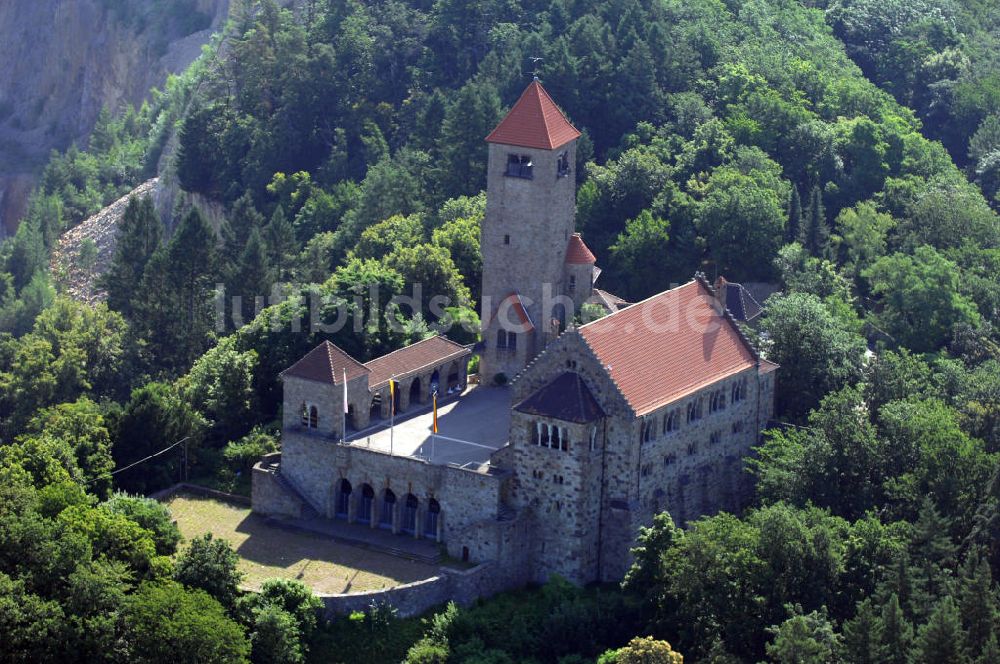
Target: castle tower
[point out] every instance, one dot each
(530, 216)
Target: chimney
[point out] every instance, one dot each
(721, 290)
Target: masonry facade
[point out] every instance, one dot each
(653, 407)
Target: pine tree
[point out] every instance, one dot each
(253, 277)
(816, 233)
(177, 312)
(991, 652)
(235, 231)
(863, 635)
(153, 307)
(139, 235)
(474, 109)
(794, 224)
(978, 604)
(940, 640)
(281, 243)
(897, 634)
(27, 253)
(933, 554)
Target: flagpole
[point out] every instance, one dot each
(392, 412)
(434, 424)
(344, 414)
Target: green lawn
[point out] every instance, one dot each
(267, 552)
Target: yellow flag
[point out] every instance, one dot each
(435, 412)
(392, 396)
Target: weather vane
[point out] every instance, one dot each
(534, 63)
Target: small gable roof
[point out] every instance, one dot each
(668, 346)
(578, 253)
(326, 363)
(534, 122)
(411, 359)
(740, 302)
(566, 398)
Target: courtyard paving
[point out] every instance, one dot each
(471, 426)
(266, 551)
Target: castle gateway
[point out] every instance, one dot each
(577, 436)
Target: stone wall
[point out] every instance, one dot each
(524, 237)
(462, 586)
(269, 497)
(410, 599)
(589, 505)
(317, 466)
(571, 492)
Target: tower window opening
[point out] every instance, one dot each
(506, 341)
(310, 416)
(506, 239)
(562, 165)
(572, 283)
(519, 166)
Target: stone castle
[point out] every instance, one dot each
(576, 436)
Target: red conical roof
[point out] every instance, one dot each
(534, 122)
(578, 253)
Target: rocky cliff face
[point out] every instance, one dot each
(63, 60)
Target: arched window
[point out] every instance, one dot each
(388, 510)
(559, 314)
(453, 378)
(562, 164)
(310, 416)
(544, 434)
(408, 523)
(534, 431)
(556, 437)
(694, 410)
(501, 338)
(431, 518)
(648, 429)
(365, 506)
(512, 341)
(519, 166)
(564, 440)
(738, 392)
(343, 499)
(672, 421)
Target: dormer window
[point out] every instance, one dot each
(519, 166)
(562, 165)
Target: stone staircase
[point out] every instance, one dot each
(309, 511)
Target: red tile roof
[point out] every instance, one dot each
(669, 346)
(326, 364)
(534, 122)
(413, 358)
(578, 253)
